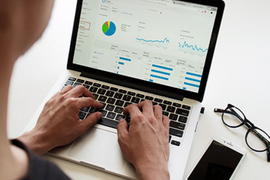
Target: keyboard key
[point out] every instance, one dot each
(176, 143)
(102, 98)
(109, 107)
(80, 81)
(177, 125)
(158, 100)
(126, 97)
(96, 84)
(167, 102)
(163, 106)
(165, 113)
(170, 137)
(119, 103)
(182, 112)
(107, 122)
(111, 101)
(122, 91)
(69, 83)
(86, 86)
(175, 132)
(135, 100)
(103, 113)
(171, 109)
(93, 89)
(105, 87)
(111, 115)
(92, 110)
(154, 103)
(140, 95)
(149, 98)
(113, 89)
(186, 107)
(85, 109)
(118, 95)
(131, 93)
(72, 78)
(182, 119)
(118, 110)
(127, 104)
(173, 117)
(82, 115)
(176, 104)
(119, 116)
(88, 83)
(110, 93)
(76, 84)
(101, 91)
(95, 95)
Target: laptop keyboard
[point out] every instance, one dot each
(114, 100)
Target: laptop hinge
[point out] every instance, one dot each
(138, 86)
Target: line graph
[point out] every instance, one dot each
(193, 49)
(166, 40)
(154, 42)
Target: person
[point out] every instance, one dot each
(21, 24)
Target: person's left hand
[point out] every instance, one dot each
(59, 123)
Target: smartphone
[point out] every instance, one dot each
(219, 161)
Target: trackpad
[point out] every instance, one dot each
(99, 148)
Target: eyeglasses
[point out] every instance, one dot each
(255, 138)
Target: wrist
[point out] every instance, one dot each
(35, 142)
(153, 172)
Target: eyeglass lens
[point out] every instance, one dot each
(233, 117)
(257, 139)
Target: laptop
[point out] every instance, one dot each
(128, 51)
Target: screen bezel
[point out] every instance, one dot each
(141, 84)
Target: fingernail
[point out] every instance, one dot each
(99, 115)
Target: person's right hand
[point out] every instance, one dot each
(145, 143)
(59, 123)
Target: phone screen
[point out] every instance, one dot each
(218, 162)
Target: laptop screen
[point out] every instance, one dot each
(160, 41)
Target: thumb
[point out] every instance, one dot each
(91, 120)
(122, 131)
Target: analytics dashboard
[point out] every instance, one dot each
(161, 41)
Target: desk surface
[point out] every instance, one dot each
(239, 75)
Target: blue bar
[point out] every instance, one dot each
(193, 74)
(121, 63)
(159, 77)
(125, 59)
(151, 80)
(118, 67)
(184, 88)
(191, 79)
(194, 85)
(162, 67)
(156, 71)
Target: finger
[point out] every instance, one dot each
(132, 110)
(147, 107)
(166, 122)
(158, 112)
(66, 89)
(122, 131)
(90, 121)
(80, 91)
(88, 102)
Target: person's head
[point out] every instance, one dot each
(22, 22)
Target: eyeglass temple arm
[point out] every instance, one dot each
(217, 110)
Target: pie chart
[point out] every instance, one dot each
(108, 28)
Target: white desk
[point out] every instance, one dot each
(239, 75)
